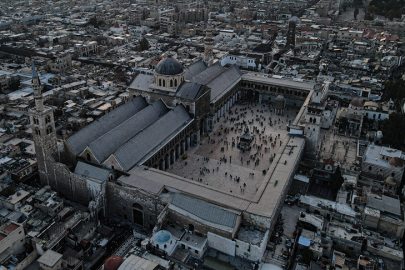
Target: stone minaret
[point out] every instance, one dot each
(43, 131)
(208, 44)
(313, 119)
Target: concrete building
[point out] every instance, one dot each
(61, 63)
(12, 240)
(380, 162)
(51, 260)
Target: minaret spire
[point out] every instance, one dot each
(36, 86)
(208, 44)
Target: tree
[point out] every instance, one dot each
(369, 12)
(395, 91)
(356, 12)
(337, 179)
(14, 85)
(390, 15)
(93, 21)
(143, 44)
(307, 255)
(257, 62)
(358, 3)
(57, 113)
(394, 130)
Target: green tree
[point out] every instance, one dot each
(356, 12)
(57, 113)
(394, 130)
(369, 12)
(93, 21)
(307, 256)
(395, 91)
(390, 15)
(337, 179)
(257, 62)
(14, 85)
(358, 3)
(143, 44)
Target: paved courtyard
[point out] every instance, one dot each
(340, 148)
(218, 162)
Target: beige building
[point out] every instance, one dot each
(51, 260)
(12, 239)
(61, 64)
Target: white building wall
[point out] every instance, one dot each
(251, 252)
(222, 244)
(376, 115)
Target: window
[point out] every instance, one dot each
(164, 83)
(160, 82)
(196, 252)
(171, 83)
(88, 157)
(47, 119)
(37, 131)
(123, 208)
(125, 216)
(35, 120)
(49, 130)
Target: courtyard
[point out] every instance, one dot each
(219, 163)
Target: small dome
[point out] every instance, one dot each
(162, 237)
(169, 66)
(280, 98)
(390, 181)
(396, 161)
(330, 162)
(357, 102)
(113, 263)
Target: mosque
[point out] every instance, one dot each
(117, 165)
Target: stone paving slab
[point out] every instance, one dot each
(205, 163)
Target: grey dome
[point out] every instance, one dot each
(280, 98)
(169, 66)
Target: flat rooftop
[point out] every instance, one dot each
(251, 77)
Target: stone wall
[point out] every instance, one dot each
(203, 229)
(121, 200)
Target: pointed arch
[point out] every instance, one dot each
(49, 130)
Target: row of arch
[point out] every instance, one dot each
(275, 89)
(47, 120)
(312, 120)
(172, 82)
(49, 130)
